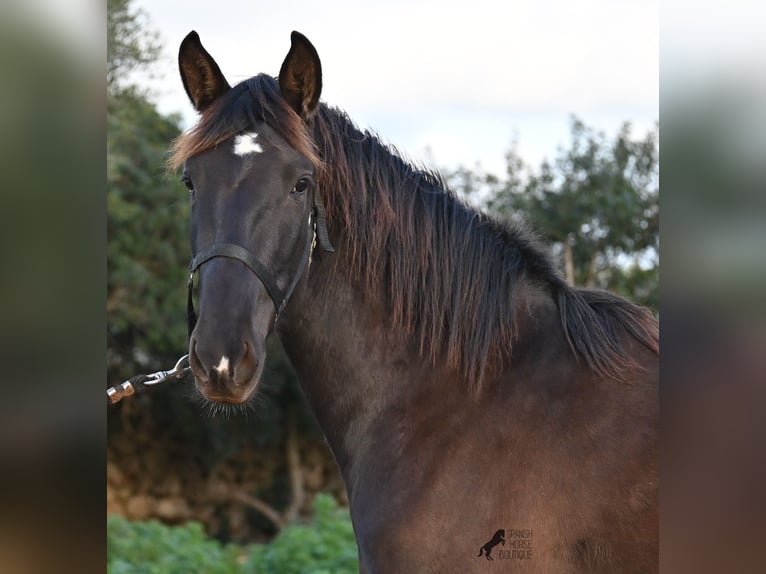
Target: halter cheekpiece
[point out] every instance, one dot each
(317, 223)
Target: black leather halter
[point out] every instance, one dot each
(317, 231)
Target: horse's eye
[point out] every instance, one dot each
(188, 182)
(302, 185)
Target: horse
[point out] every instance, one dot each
(462, 385)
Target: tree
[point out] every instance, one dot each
(130, 46)
(598, 203)
(147, 213)
(147, 249)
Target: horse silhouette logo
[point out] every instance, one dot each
(497, 538)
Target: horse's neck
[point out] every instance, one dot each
(352, 365)
(362, 376)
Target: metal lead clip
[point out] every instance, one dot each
(127, 389)
(178, 371)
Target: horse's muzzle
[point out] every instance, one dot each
(225, 376)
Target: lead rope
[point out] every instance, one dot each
(141, 383)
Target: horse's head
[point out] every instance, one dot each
(253, 207)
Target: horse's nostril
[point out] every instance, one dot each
(246, 367)
(198, 369)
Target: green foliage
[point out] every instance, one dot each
(147, 247)
(147, 212)
(326, 545)
(153, 548)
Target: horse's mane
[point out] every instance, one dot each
(452, 276)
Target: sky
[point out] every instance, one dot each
(447, 82)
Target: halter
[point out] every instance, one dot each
(317, 223)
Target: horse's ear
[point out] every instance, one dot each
(300, 77)
(203, 81)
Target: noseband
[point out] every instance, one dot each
(317, 231)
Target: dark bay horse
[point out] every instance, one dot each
(463, 386)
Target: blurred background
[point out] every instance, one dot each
(713, 395)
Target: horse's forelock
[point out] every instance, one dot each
(254, 100)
